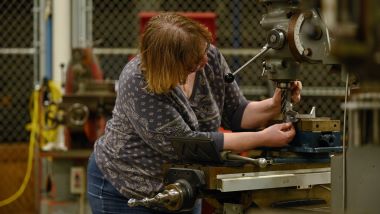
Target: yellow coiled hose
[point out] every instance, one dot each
(38, 131)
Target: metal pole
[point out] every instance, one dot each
(89, 9)
(61, 37)
(79, 25)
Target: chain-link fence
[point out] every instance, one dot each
(116, 26)
(115, 33)
(239, 36)
(16, 68)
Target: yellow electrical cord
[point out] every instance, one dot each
(33, 131)
(49, 126)
(37, 129)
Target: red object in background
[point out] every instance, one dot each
(206, 18)
(84, 66)
(221, 129)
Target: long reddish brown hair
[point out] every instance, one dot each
(171, 47)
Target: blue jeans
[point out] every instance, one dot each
(104, 198)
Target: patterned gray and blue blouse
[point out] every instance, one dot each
(131, 152)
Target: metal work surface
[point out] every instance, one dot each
(302, 178)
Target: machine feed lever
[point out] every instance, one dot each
(275, 40)
(230, 77)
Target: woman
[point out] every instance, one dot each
(174, 87)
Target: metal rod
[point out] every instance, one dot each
(344, 146)
(262, 51)
(261, 162)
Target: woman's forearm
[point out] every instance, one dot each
(258, 114)
(277, 135)
(243, 141)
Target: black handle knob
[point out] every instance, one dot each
(229, 78)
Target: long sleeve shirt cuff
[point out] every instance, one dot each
(218, 139)
(238, 117)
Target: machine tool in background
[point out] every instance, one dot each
(88, 100)
(86, 112)
(285, 177)
(77, 119)
(356, 174)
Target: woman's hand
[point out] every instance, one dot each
(259, 114)
(295, 89)
(278, 135)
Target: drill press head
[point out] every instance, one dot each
(296, 34)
